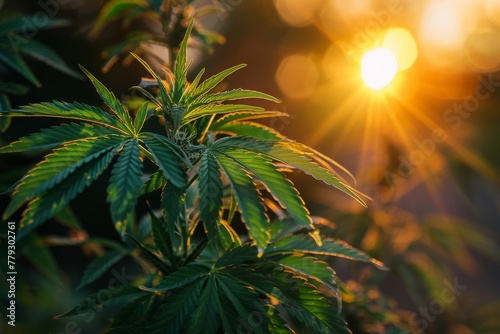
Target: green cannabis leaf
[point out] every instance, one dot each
(212, 160)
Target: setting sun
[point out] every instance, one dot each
(378, 68)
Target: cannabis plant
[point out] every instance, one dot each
(213, 166)
(153, 26)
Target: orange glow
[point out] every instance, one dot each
(493, 11)
(378, 68)
(452, 40)
(441, 24)
(296, 12)
(402, 44)
(297, 76)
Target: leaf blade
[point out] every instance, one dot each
(54, 200)
(279, 186)
(213, 81)
(111, 101)
(182, 277)
(56, 167)
(249, 200)
(165, 156)
(209, 110)
(55, 136)
(76, 111)
(125, 184)
(210, 188)
(250, 129)
(98, 266)
(180, 70)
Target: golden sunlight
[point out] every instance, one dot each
(378, 68)
(441, 24)
(402, 44)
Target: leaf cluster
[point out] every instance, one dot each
(173, 18)
(211, 161)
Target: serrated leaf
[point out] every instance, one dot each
(172, 203)
(258, 276)
(250, 129)
(182, 277)
(309, 266)
(280, 187)
(155, 182)
(329, 247)
(210, 188)
(151, 257)
(246, 303)
(56, 136)
(181, 66)
(57, 166)
(173, 315)
(305, 303)
(56, 198)
(194, 83)
(143, 114)
(319, 157)
(162, 239)
(45, 54)
(209, 110)
(249, 200)
(237, 256)
(15, 62)
(98, 266)
(205, 318)
(166, 157)
(235, 94)
(308, 305)
(42, 259)
(76, 111)
(162, 90)
(209, 84)
(245, 116)
(111, 101)
(125, 184)
(287, 153)
(228, 315)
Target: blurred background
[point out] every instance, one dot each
(403, 93)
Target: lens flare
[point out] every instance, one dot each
(378, 68)
(404, 47)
